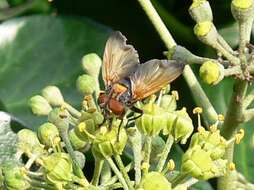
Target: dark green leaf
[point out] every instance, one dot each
(44, 50)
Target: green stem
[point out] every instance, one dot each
(235, 110)
(233, 119)
(97, 171)
(181, 178)
(224, 44)
(136, 143)
(63, 131)
(147, 153)
(113, 179)
(123, 170)
(72, 110)
(165, 152)
(158, 24)
(188, 74)
(118, 173)
(225, 182)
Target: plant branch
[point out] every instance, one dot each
(97, 171)
(117, 172)
(210, 115)
(123, 171)
(165, 152)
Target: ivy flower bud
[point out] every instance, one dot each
(28, 142)
(39, 105)
(76, 142)
(14, 177)
(154, 181)
(168, 102)
(47, 132)
(183, 126)
(198, 163)
(201, 11)
(58, 117)
(153, 120)
(242, 10)
(86, 84)
(53, 95)
(58, 168)
(206, 32)
(109, 142)
(211, 72)
(91, 64)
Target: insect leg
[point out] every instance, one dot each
(136, 110)
(119, 128)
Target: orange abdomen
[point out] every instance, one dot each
(116, 107)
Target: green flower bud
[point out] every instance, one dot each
(153, 120)
(211, 72)
(47, 132)
(183, 126)
(201, 11)
(155, 181)
(28, 142)
(198, 163)
(206, 32)
(86, 84)
(59, 117)
(109, 142)
(91, 64)
(242, 10)
(76, 142)
(53, 95)
(39, 105)
(80, 158)
(14, 177)
(170, 123)
(168, 102)
(58, 168)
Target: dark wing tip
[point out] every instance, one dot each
(117, 35)
(169, 63)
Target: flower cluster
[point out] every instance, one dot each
(54, 156)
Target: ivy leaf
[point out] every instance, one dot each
(37, 51)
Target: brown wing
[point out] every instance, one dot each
(119, 60)
(153, 75)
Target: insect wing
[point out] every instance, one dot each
(153, 75)
(119, 60)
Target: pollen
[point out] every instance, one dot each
(239, 136)
(171, 165)
(231, 166)
(175, 94)
(197, 110)
(221, 117)
(213, 128)
(82, 126)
